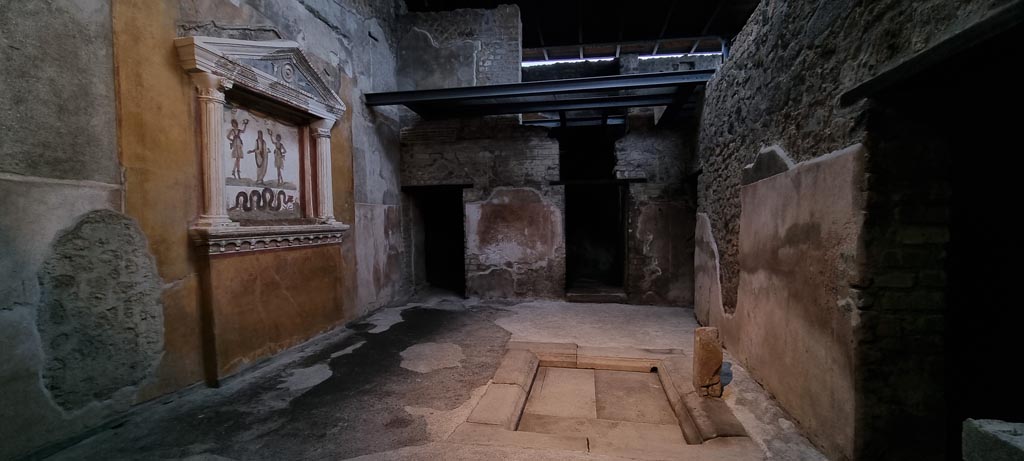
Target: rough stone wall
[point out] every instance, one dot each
(494, 37)
(509, 167)
(782, 82)
(659, 265)
(58, 163)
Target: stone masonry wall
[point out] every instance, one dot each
(782, 82)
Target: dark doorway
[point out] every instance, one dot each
(439, 238)
(594, 224)
(956, 111)
(594, 211)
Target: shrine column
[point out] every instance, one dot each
(324, 185)
(211, 146)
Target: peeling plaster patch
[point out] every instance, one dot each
(441, 423)
(305, 378)
(347, 350)
(427, 357)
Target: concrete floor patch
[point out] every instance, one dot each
(305, 378)
(427, 357)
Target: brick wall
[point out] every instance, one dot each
(497, 31)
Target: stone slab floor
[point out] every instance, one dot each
(397, 384)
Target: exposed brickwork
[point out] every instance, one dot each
(498, 31)
(902, 305)
(487, 152)
(659, 265)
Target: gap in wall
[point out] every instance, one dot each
(981, 320)
(594, 210)
(440, 236)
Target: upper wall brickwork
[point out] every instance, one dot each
(498, 32)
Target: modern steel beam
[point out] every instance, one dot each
(576, 85)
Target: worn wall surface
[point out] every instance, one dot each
(800, 248)
(264, 302)
(58, 164)
(515, 244)
(661, 209)
(103, 118)
(509, 167)
(463, 47)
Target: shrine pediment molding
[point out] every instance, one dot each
(276, 69)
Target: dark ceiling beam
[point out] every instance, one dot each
(576, 85)
(664, 25)
(707, 26)
(619, 45)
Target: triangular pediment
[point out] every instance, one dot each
(276, 69)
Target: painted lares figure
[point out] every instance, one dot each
(260, 152)
(279, 152)
(235, 137)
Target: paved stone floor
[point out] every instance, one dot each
(397, 384)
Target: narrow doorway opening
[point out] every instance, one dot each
(439, 237)
(595, 220)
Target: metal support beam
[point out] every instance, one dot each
(609, 102)
(548, 87)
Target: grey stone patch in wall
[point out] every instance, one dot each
(769, 162)
(100, 318)
(423, 64)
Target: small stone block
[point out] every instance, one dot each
(707, 362)
(501, 405)
(517, 367)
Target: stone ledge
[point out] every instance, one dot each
(618, 359)
(501, 406)
(241, 239)
(517, 367)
